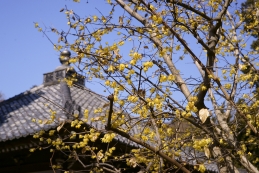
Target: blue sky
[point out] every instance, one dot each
(26, 54)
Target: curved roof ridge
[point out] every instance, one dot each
(15, 97)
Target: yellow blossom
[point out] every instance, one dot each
(202, 168)
(131, 72)
(51, 132)
(108, 137)
(147, 65)
(203, 88)
(171, 77)
(136, 55)
(122, 67)
(32, 150)
(178, 47)
(133, 99)
(199, 144)
(36, 25)
(107, 82)
(121, 43)
(95, 18)
(228, 86)
(133, 62)
(163, 78)
(111, 68)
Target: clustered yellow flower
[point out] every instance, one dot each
(157, 19)
(122, 67)
(190, 106)
(86, 113)
(147, 65)
(171, 77)
(156, 102)
(202, 168)
(95, 18)
(108, 137)
(135, 57)
(163, 78)
(32, 150)
(178, 47)
(70, 81)
(110, 84)
(227, 86)
(76, 123)
(133, 98)
(199, 144)
(51, 132)
(98, 110)
(117, 120)
(186, 114)
(111, 68)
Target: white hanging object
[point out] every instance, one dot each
(257, 13)
(207, 152)
(203, 115)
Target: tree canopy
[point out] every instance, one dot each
(251, 25)
(181, 69)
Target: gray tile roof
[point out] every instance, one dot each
(192, 157)
(16, 113)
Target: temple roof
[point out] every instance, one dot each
(17, 113)
(26, 114)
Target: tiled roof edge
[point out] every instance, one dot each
(30, 91)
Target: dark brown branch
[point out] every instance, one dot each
(139, 82)
(176, 2)
(111, 99)
(51, 161)
(223, 11)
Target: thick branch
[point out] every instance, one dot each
(248, 165)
